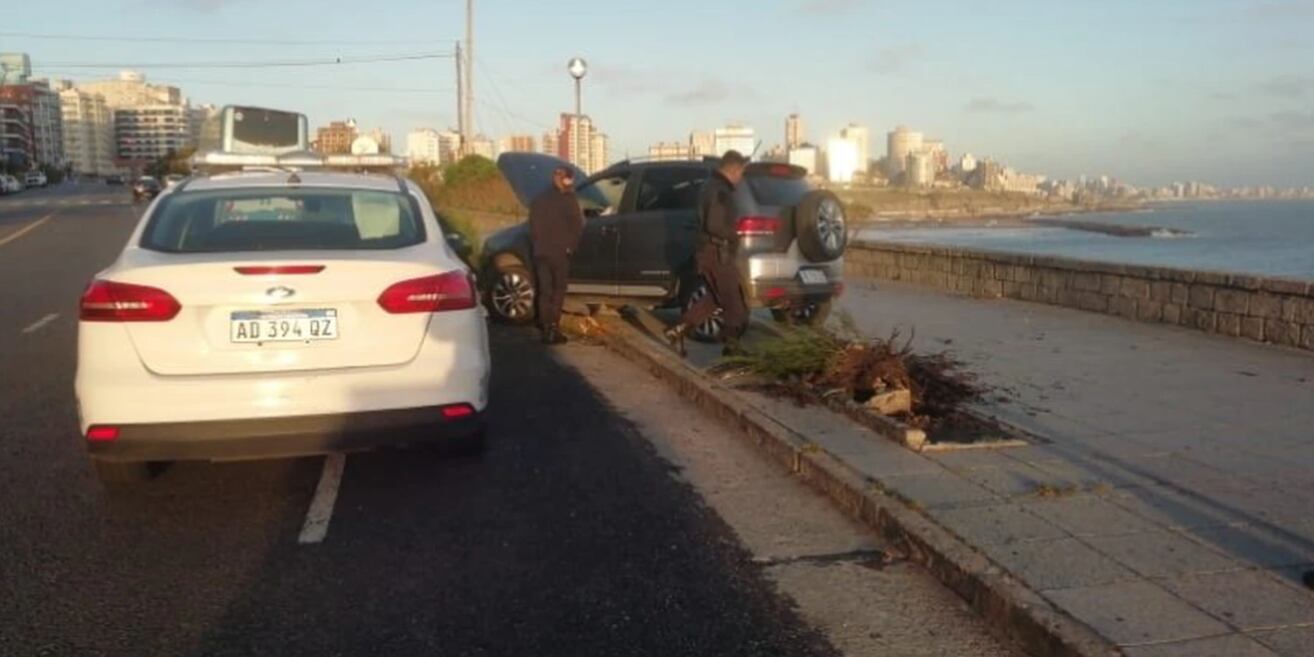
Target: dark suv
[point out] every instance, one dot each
(641, 224)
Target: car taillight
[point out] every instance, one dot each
(457, 411)
(109, 301)
(757, 226)
(451, 291)
(279, 270)
(102, 434)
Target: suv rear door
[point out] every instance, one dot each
(603, 201)
(657, 238)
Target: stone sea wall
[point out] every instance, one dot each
(1273, 310)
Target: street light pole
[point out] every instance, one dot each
(578, 68)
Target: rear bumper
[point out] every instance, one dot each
(283, 437)
(787, 292)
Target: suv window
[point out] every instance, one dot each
(671, 189)
(604, 195)
(776, 190)
(283, 220)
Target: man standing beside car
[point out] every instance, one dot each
(718, 242)
(555, 226)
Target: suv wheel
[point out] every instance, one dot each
(819, 222)
(813, 313)
(511, 294)
(710, 330)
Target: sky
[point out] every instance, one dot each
(1149, 91)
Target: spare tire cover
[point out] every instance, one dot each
(820, 226)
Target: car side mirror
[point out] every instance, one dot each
(460, 244)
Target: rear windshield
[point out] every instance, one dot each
(282, 220)
(778, 191)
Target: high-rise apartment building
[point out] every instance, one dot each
(861, 137)
(422, 146)
(805, 156)
(516, 144)
(336, 137)
(702, 144)
(671, 151)
(552, 142)
(15, 67)
(483, 147)
(31, 126)
(841, 160)
(734, 137)
(579, 142)
(901, 143)
(149, 132)
(88, 131)
(795, 132)
(598, 156)
(130, 89)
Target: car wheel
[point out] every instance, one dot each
(710, 330)
(820, 226)
(113, 473)
(807, 314)
(511, 294)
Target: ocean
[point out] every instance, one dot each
(1271, 238)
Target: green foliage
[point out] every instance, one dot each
(471, 170)
(798, 354)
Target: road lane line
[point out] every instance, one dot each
(321, 507)
(25, 229)
(41, 323)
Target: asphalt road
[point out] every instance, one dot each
(567, 537)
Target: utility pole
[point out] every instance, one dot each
(460, 94)
(468, 129)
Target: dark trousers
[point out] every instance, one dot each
(717, 267)
(551, 275)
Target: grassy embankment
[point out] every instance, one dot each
(959, 205)
(471, 194)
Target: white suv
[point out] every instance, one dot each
(276, 313)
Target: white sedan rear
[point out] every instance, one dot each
(260, 315)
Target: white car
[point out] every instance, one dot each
(35, 179)
(274, 313)
(11, 184)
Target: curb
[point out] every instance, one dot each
(1013, 612)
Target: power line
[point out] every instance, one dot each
(371, 59)
(288, 85)
(218, 40)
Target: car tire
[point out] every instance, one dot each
(113, 473)
(510, 296)
(812, 314)
(710, 330)
(819, 225)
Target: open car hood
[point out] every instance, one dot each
(530, 174)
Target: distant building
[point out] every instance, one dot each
(130, 89)
(919, 170)
(31, 130)
(422, 147)
(552, 142)
(366, 145)
(483, 147)
(795, 132)
(939, 154)
(15, 67)
(579, 142)
(336, 137)
(805, 156)
(382, 139)
(671, 151)
(734, 137)
(88, 131)
(901, 143)
(967, 164)
(516, 144)
(598, 155)
(702, 144)
(861, 137)
(841, 160)
(149, 132)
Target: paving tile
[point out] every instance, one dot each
(1288, 642)
(1247, 599)
(996, 524)
(963, 460)
(1058, 564)
(1136, 613)
(873, 455)
(940, 489)
(1171, 508)
(1256, 545)
(1294, 574)
(1090, 515)
(1016, 480)
(1162, 554)
(1089, 471)
(1232, 645)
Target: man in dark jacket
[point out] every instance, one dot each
(555, 226)
(718, 241)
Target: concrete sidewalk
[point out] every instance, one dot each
(1187, 463)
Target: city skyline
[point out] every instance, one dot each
(1187, 102)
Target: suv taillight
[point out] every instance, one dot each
(108, 301)
(454, 290)
(757, 226)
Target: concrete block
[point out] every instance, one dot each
(1136, 613)
(936, 490)
(1172, 313)
(1231, 645)
(1090, 515)
(1087, 282)
(1266, 306)
(1303, 311)
(1162, 554)
(1012, 289)
(1236, 302)
(1110, 284)
(1179, 294)
(1135, 288)
(1252, 328)
(1059, 564)
(1288, 642)
(1283, 333)
(1022, 273)
(1094, 302)
(1123, 307)
(1160, 291)
(1248, 599)
(1287, 286)
(993, 289)
(1213, 278)
(1203, 320)
(999, 524)
(1152, 311)
(1201, 297)
(1307, 337)
(1228, 324)
(1244, 282)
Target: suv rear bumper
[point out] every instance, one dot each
(787, 292)
(283, 437)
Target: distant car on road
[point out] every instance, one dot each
(35, 179)
(11, 184)
(641, 224)
(113, 180)
(145, 188)
(274, 313)
(173, 179)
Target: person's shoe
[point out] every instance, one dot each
(675, 336)
(552, 335)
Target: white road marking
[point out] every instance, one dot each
(321, 507)
(25, 229)
(41, 323)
